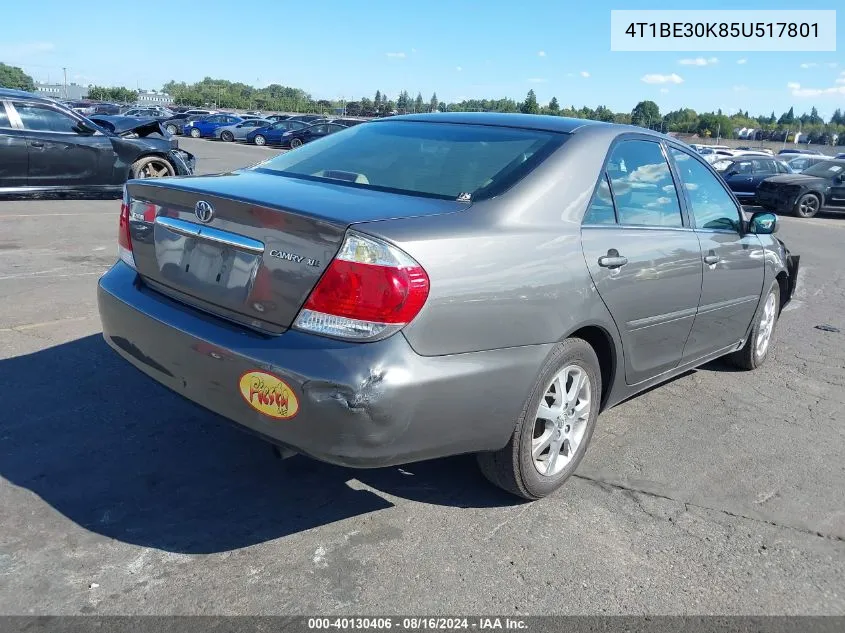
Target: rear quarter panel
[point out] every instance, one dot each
(509, 271)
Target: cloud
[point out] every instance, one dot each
(537, 80)
(458, 68)
(662, 79)
(793, 86)
(798, 91)
(698, 61)
(397, 55)
(742, 60)
(740, 88)
(664, 90)
(585, 74)
(25, 49)
(809, 65)
(541, 53)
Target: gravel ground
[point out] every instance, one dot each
(720, 492)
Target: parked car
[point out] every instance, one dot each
(238, 131)
(199, 111)
(207, 126)
(711, 155)
(105, 108)
(756, 150)
(805, 194)
(297, 138)
(840, 156)
(46, 146)
(272, 135)
(743, 174)
(175, 125)
(370, 304)
(159, 114)
(308, 118)
(814, 152)
(802, 162)
(348, 122)
(278, 117)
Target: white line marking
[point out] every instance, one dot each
(32, 326)
(44, 215)
(45, 274)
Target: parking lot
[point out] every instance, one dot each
(720, 492)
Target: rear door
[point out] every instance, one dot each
(59, 155)
(761, 169)
(733, 263)
(643, 258)
(14, 159)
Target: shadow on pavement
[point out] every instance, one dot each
(61, 195)
(124, 457)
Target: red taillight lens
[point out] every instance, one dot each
(124, 239)
(370, 290)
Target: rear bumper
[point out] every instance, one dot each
(361, 405)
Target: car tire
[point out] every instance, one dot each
(151, 167)
(260, 139)
(515, 468)
(172, 130)
(807, 205)
(295, 142)
(227, 136)
(756, 348)
(195, 132)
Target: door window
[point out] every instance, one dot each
(642, 185)
(763, 166)
(4, 118)
(711, 205)
(601, 209)
(318, 129)
(44, 119)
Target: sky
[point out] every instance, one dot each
(458, 49)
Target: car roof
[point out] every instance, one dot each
(507, 119)
(11, 93)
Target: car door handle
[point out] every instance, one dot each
(612, 261)
(36, 144)
(711, 259)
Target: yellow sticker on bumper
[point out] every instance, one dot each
(268, 394)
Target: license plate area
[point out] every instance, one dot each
(209, 269)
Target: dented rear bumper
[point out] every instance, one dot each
(354, 404)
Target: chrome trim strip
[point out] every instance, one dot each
(730, 303)
(214, 235)
(660, 319)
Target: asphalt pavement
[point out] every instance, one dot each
(720, 492)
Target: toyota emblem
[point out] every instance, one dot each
(204, 211)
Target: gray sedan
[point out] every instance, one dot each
(238, 131)
(428, 285)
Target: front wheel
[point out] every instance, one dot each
(195, 133)
(295, 142)
(171, 129)
(555, 426)
(152, 167)
(260, 140)
(756, 348)
(808, 205)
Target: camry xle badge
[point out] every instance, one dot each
(293, 257)
(204, 211)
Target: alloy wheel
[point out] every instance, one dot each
(767, 326)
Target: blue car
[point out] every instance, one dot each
(207, 126)
(272, 135)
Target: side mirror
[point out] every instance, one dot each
(763, 223)
(84, 129)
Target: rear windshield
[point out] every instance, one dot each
(443, 160)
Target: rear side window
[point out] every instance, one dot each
(763, 166)
(712, 207)
(601, 209)
(4, 118)
(642, 185)
(44, 119)
(443, 160)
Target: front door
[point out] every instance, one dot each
(761, 169)
(740, 179)
(733, 263)
(644, 262)
(59, 154)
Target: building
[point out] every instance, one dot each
(153, 97)
(71, 92)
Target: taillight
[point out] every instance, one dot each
(124, 239)
(370, 290)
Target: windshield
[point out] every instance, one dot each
(827, 169)
(722, 165)
(432, 159)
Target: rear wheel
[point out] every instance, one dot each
(195, 132)
(171, 129)
(227, 136)
(260, 139)
(555, 426)
(295, 142)
(756, 348)
(808, 205)
(152, 167)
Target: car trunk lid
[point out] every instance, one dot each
(250, 246)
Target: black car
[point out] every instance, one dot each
(744, 173)
(296, 138)
(105, 108)
(46, 146)
(804, 194)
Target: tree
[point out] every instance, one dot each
(14, 77)
(530, 105)
(645, 113)
(837, 118)
(434, 103)
(772, 118)
(814, 118)
(118, 95)
(603, 113)
(554, 106)
(418, 103)
(787, 118)
(377, 98)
